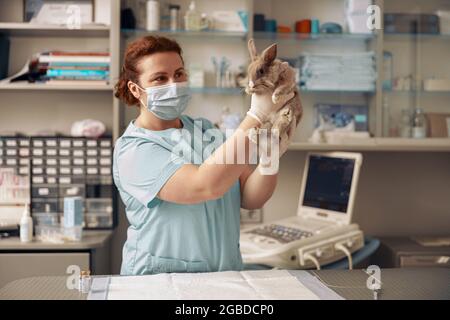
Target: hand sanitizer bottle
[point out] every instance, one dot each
(192, 19)
(26, 226)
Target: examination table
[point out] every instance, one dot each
(401, 283)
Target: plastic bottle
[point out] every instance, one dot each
(405, 124)
(419, 129)
(192, 19)
(26, 226)
(174, 17)
(152, 15)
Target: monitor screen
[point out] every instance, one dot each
(328, 183)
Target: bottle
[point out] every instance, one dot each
(405, 124)
(419, 129)
(192, 19)
(152, 15)
(174, 17)
(26, 226)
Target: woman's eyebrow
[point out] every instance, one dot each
(179, 69)
(160, 73)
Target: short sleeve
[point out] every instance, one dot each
(144, 168)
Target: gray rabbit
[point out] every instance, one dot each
(268, 75)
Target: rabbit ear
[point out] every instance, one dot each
(270, 54)
(252, 49)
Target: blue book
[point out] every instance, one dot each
(77, 73)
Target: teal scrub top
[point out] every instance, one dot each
(164, 236)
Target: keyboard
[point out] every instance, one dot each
(281, 233)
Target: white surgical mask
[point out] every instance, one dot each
(168, 101)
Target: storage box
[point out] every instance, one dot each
(73, 211)
(341, 115)
(438, 125)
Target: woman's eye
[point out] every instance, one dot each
(159, 79)
(179, 74)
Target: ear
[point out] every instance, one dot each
(270, 54)
(134, 89)
(252, 49)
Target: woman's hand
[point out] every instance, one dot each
(261, 106)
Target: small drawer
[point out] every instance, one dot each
(24, 170)
(74, 190)
(24, 152)
(48, 191)
(99, 205)
(98, 220)
(37, 162)
(78, 171)
(51, 171)
(11, 161)
(92, 152)
(24, 162)
(1, 143)
(78, 152)
(24, 143)
(105, 161)
(38, 143)
(78, 143)
(38, 180)
(51, 161)
(44, 205)
(52, 180)
(37, 170)
(105, 152)
(11, 142)
(48, 219)
(1, 152)
(79, 162)
(92, 162)
(65, 161)
(51, 143)
(71, 180)
(92, 171)
(104, 171)
(105, 143)
(38, 152)
(64, 152)
(11, 152)
(91, 143)
(51, 152)
(65, 170)
(65, 143)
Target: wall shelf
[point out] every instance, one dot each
(210, 34)
(43, 30)
(292, 36)
(53, 87)
(379, 144)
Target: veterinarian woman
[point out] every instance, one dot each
(184, 216)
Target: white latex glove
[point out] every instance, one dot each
(261, 106)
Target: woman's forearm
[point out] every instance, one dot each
(221, 170)
(258, 189)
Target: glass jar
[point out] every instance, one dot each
(419, 129)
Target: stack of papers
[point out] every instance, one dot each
(346, 72)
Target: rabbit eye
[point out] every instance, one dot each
(260, 71)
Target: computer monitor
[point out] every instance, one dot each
(329, 185)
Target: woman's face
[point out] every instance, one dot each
(161, 68)
(158, 69)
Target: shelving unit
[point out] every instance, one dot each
(17, 29)
(376, 41)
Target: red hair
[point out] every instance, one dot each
(135, 51)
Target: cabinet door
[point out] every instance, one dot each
(14, 266)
